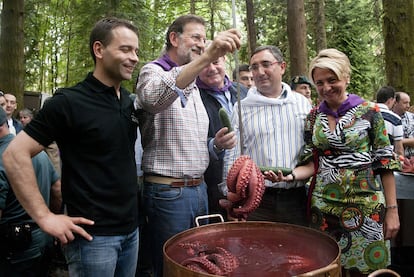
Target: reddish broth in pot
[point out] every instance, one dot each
(262, 248)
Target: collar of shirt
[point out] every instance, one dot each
(227, 85)
(224, 99)
(383, 106)
(351, 102)
(165, 62)
(255, 98)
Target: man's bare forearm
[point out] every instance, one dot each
(408, 142)
(56, 197)
(19, 169)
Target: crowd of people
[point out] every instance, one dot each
(141, 167)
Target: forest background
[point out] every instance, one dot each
(44, 43)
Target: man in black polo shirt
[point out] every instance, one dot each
(94, 127)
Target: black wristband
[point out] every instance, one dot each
(293, 176)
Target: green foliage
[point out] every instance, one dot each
(351, 26)
(57, 34)
(353, 29)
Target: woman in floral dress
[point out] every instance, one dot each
(347, 136)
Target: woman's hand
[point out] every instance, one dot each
(279, 177)
(391, 223)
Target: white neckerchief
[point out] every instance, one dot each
(255, 98)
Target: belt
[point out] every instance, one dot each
(174, 182)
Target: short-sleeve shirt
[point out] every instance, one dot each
(95, 132)
(393, 123)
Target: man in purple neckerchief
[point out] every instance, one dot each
(174, 128)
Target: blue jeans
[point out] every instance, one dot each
(103, 256)
(171, 211)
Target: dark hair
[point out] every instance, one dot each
(102, 31)
(385, 93)
(398, 96)
(272, 49)
(242, 67)
(178, 25)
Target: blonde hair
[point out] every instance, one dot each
(334, 60)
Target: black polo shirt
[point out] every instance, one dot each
(95, 132)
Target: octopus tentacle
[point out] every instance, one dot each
(221, 262)
(233, 197)
(246, 187)
(243, 178)
(205, 264)
(234, 172)
(231, 260)
(196, 267)
(256, 191)
(217, 261)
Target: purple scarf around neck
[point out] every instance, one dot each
(351, 102)
(165, 62)
(227, 84)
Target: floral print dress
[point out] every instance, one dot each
(347, 201)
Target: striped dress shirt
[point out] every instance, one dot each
(273, 131)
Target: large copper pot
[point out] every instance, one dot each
(263, 249)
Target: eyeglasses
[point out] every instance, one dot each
(197, 38)
(264, 64)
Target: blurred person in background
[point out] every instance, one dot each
(25, 116)
(393, 123)
(302, 85)
(11, 105)
(2, 100)
(245, 76)
(25, 248)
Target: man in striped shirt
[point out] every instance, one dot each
(174, 128)
(273, 118)
(385, 101)
(401, 106)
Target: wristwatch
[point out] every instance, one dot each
(216, 149)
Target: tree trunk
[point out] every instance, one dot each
(113, 4)
(12, 48)
(398, 25)
(296, 30)
(211, 19)
(320, 31)
(251, 27)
